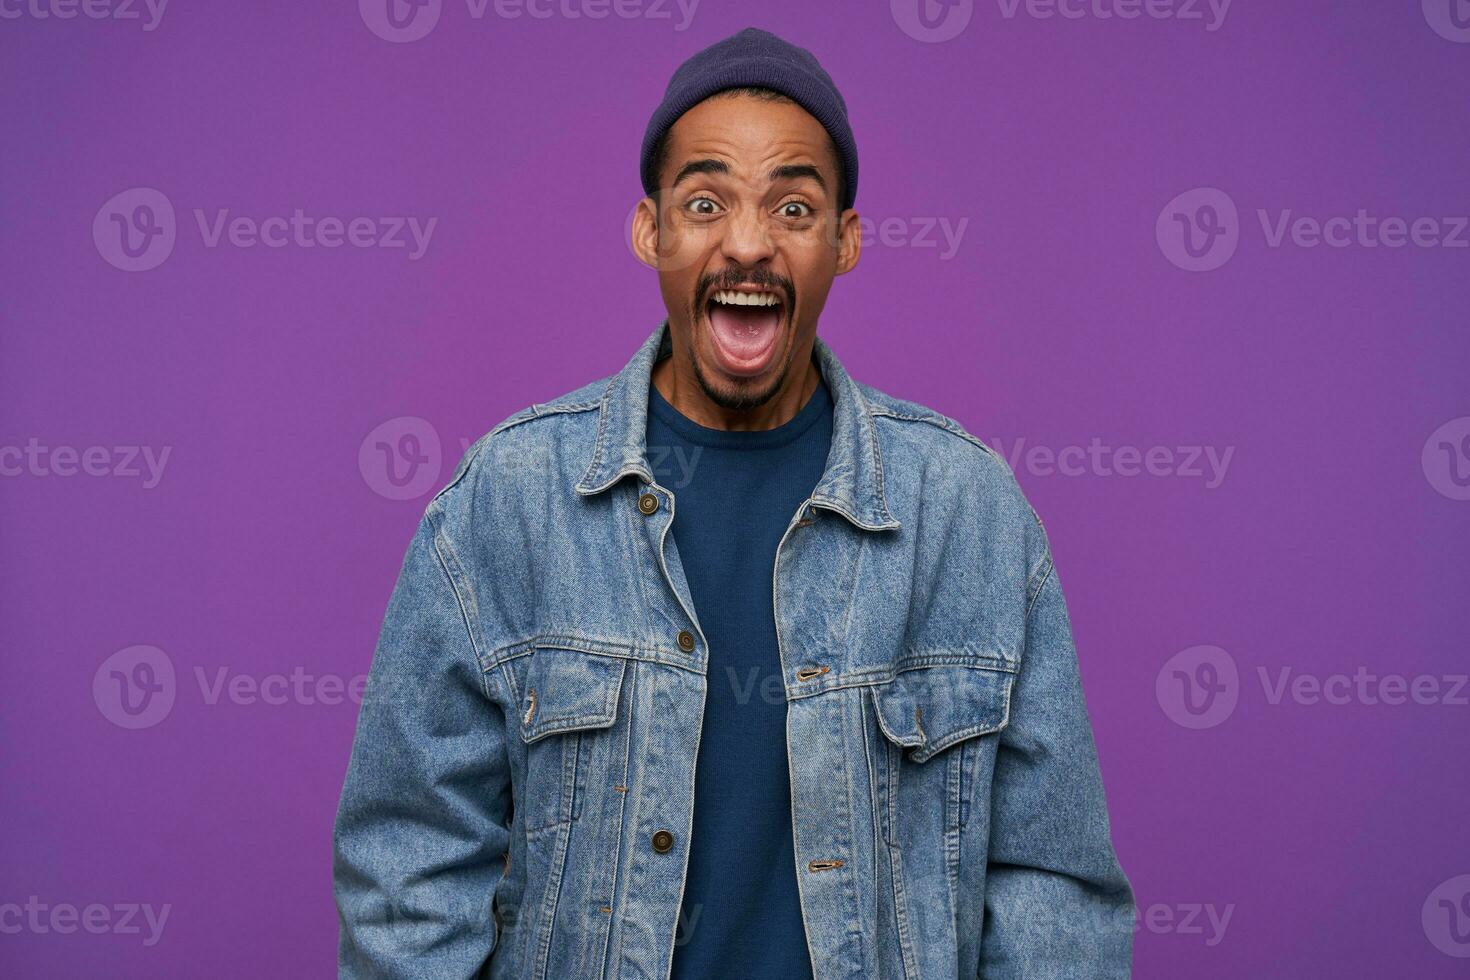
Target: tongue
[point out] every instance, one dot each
(744, 336)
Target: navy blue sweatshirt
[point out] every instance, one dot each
(734, 495)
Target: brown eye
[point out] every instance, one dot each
(795, 209)
(702, 205)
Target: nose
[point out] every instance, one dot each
(746, 241)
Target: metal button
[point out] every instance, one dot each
(663, 841)
(648, 503)
(686, 641)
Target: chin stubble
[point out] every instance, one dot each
(739, 402)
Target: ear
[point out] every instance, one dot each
(645, 232)
(849, 241)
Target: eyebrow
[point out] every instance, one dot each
(796, 171)
(789, 171)
(700, 167)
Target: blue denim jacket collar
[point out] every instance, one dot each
(851, 484)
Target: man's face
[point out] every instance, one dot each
(746, 242)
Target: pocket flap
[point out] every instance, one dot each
(928, 709)
(565, 690)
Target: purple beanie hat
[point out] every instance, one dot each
(755, 57)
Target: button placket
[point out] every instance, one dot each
(649, 503)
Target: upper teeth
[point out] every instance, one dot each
(731, 298)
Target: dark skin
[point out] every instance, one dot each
(748, 196)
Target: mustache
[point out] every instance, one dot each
(733, 278)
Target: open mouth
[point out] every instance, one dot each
(744, 326)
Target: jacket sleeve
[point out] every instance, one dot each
(421, 829)
(1058, 905)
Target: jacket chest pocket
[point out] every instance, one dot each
(931, 752)
(567, 699)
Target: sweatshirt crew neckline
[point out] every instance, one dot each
(816, 406)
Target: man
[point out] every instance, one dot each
(825, 722)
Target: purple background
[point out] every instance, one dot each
(265, 548)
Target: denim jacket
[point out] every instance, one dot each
(519, 798)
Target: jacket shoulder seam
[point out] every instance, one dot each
(464, 597)
(541, 410)
(939, 422)
(1040, 577)
(1037, 577)
(528, 414)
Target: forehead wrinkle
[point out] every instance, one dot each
(779, 153)
(775, 133)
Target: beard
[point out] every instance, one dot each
(738, 397)
(742, 394)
